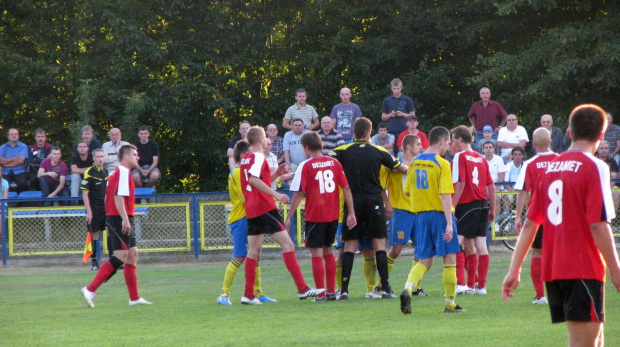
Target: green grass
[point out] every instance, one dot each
(43, 306)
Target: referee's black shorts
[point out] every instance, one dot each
(97, 223)
(370, 215)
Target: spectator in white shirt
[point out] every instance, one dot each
(511, 136)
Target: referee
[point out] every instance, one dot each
(361, 162)
(93, 193)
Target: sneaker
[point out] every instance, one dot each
(140, 301)
(343, 296)
(331, 296)
(388, 295)
(95, 265)
(321, 299)
(454, 310)
(265, 298)
(480, 291)
(420, 292)
(224, 300)
(463, 290)
(89, 297)
(373, 294)
(247, 301)
(309, 292)
(405, 302)
(541, 301)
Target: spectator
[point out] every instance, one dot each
(557, 136)
(511, 136)
(331, 138)
(5, 195)
(412, 124)
(496, 164)
(612, 135)
(344, 115)
(487, 133)
(147, 174)
(53, 176)
(603, 154)
(36, 153)
(395, 110)
(111, 149)
(514, 167)
(87, 136)
(383, 138)
(79, 165)
(243, 129)
(302, 111)
(486, 112)
(13, 156)
(272, 160)
(293, 150)
(276, 142)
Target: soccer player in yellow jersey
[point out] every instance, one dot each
(239, 229)
(429, 185)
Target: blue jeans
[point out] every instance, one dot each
(47, 188)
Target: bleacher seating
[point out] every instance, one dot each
(30, 194)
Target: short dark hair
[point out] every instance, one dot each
(125, 150)
(55, 148)
(297, 120)
(300, 90)
(143, 128)
(409, 140)
(587, 122)
(438, 133)
(312, 140)
(241, 148)
(382, 125)
(254, 134)
(361, 127)
(463, 133)
(488, 142)
(518, 149)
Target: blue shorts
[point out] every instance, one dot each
(239, 231)
(364, 242)
(401, 227)
(429, 229)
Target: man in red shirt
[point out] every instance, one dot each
(573, 200)
(319, 178)
(263, 218)
(473, 185)
(412, 123)
(526, 182)
(119, 209)
(486, 112)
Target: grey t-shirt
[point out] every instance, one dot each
(292, 143)
(345, 116)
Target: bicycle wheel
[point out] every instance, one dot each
(506, 228)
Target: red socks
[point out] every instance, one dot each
(293, 268)
(483, 269)
(460, 268)
(472, 268)
(536, 273)
(318, 272)
(330, 272)
(250, 276)
(131, 280)
(103, 274)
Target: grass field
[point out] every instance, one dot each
(43, 306)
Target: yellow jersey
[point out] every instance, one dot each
(236, 197)
(429, 175)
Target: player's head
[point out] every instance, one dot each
(241, 148)
(439, 137)
(311, 142)
(362, 128)
(463, 133)
(412, 144)
(541, 139)
(587, 122)
(129, 155)
(254, 135)
(98, 157)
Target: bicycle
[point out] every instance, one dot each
(503, 227)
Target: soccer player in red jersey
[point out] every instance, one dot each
(526, 182)
(572, 199)
(119, 209)
(319, 178)
(263, 218)
(474, 202)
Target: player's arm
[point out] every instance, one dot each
(446, 204)
(521, 197)
(294, 204)
(389, 211)
(89, 211)
(524, 242)
(458, 192)
(402, 168)
(119, 203)
(348, 199)
(601, 232)
(287, 157)
(281, 170)
(491, 197)
(260, 185)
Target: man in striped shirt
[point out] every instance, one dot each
(331, 137)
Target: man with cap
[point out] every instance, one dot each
(412, 124)
(487, 133)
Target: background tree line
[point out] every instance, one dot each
(192, 70)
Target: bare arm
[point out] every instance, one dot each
(230, 152)
(524, 242)
(491, 195)
(446, 204)
(348, 199)
(287, 158)
(77, 170)
(389, 145)
(617, 150)
(402, 168)
(386, 116)
(281, 170)
(389, 211)
(315, 124)
(294, 204)
(61, 185)
(286, 124)
(260, 185)
(458, 191)
(521, 197)
(601, 232)
(89, 211)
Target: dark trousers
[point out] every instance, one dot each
(21, 181)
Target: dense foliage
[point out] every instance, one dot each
(192, 70)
